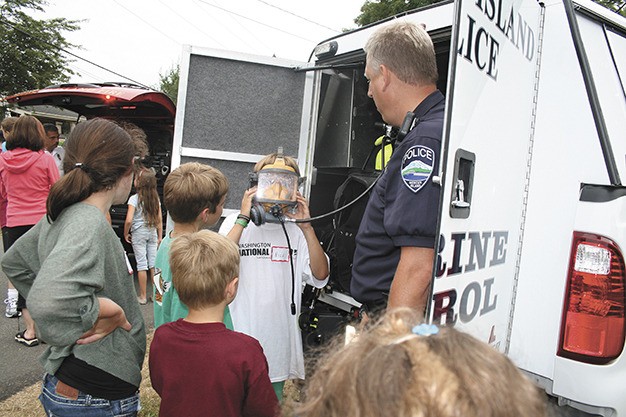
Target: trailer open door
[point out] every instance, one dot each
(234, 108)
(488, 141)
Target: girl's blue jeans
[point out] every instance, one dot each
(57, 405)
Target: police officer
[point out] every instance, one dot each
(395, 243)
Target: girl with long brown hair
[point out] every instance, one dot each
(71, 268)
(143, 227)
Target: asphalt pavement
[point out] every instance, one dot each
(19, 364)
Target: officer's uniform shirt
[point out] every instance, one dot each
(402, 209)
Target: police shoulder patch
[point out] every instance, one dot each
(417, 167)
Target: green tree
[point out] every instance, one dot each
(618, 6)
(31, 53)
(375, 10)
(168, 82)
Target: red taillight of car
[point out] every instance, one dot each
(592, 327)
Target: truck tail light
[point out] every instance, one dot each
(593, 325)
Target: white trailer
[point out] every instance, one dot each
(533, 210)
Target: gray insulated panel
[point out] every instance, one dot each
(243, 107)
(237, 175)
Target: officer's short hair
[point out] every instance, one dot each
(406, 49)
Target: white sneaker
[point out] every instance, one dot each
(11, 310)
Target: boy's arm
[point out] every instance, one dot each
(317, 257)
(128, 222)
(260, 399)
(246, 204)
(154, 362)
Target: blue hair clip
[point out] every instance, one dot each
(425, 329)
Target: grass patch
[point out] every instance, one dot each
(26, 402)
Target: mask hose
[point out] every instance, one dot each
(330, 213)
(293, 274)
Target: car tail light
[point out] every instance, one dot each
(592, 327)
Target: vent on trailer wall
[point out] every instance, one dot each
(592, 327)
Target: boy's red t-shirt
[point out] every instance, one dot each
(207, 370)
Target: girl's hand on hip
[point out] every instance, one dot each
(110, 317)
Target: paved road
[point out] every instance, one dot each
(19, 364)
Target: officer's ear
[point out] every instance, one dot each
(386, 75)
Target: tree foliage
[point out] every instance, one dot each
(30, 55)
(618, 6)
(375, 10)
(168, 82)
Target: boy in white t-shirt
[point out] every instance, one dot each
(262, 307)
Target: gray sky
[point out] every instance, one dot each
(141, 38)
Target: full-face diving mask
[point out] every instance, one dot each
(276, 193)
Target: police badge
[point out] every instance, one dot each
(417, 167)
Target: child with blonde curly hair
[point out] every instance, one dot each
(398, 368)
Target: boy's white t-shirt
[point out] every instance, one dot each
(262, 307)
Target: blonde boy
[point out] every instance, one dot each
(193, 195)
(197, 366)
